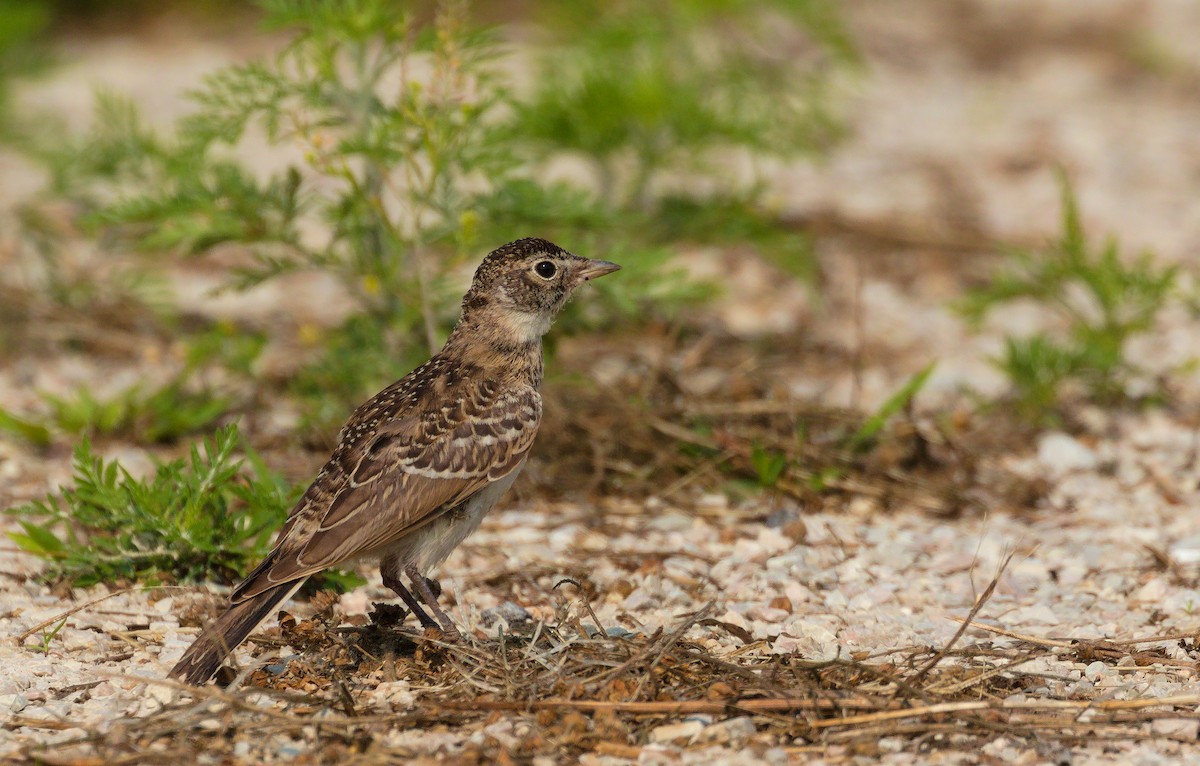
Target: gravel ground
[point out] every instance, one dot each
(949, 134)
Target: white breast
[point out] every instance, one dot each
(429, 546)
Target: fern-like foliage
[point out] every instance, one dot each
(1100, 298)
(205, 517)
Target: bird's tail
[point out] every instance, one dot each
(203, 658)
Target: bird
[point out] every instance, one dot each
(417, 467)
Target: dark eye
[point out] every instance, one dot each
(545, 269)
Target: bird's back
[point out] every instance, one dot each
(448, 429)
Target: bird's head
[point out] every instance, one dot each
(522, 286)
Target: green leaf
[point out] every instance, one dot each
(194, 519)
(866, 434)
(1101, 298)
(34, 433)
(341, 580)
(768, 465)
(37, 539)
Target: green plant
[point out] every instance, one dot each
(1038, 368)
(178, 407)
(182, 405)
(21, 23)
(415, 150)
(768, 465)
(226, 346)
(157, 415)
(385, 170)
(1101, 302)
(641, 89)
(400, 146)
(201, 518)
(32, 432)
(657, 96)
(864, 438)
(48, 634)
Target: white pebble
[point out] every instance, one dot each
(1095, 671)
(684, 731)
(1061, 454)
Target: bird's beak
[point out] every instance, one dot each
(594, 269)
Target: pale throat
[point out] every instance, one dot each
(523, 327)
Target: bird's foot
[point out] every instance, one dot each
(435, 587)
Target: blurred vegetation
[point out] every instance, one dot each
(399, 147)
(1100, 301)
(21, 24)
(159, 415)
(782, 465)
(419, 153)
(646, 90)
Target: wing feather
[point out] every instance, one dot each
(405, 474)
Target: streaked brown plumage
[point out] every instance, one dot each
(418, 466)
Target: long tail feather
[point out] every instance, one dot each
(203, 658)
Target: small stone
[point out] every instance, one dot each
(291, 749)
(639, 599)
(1061, 454)
(511, 613)
(683, 732)
(1186, 550)
(733, 731)
(356, 601)
(782, 602)
(13, 703)
(1038, 613)
(812, 639)
(390, 695)
(76, 640)
(671, 522)
(502, 732)
(1095, 670)
(767, 613)
(891, 744)
(795, 530)
(1152, 591)
(160, 693)
(713, 502)
(1181, 729)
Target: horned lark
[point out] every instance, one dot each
(418, 466)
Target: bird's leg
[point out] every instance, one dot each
(421, 586)
(434, 586)
(391, 579)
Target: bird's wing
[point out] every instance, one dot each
(407, 473)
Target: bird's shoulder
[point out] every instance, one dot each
(451, 417)
(445, 394)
